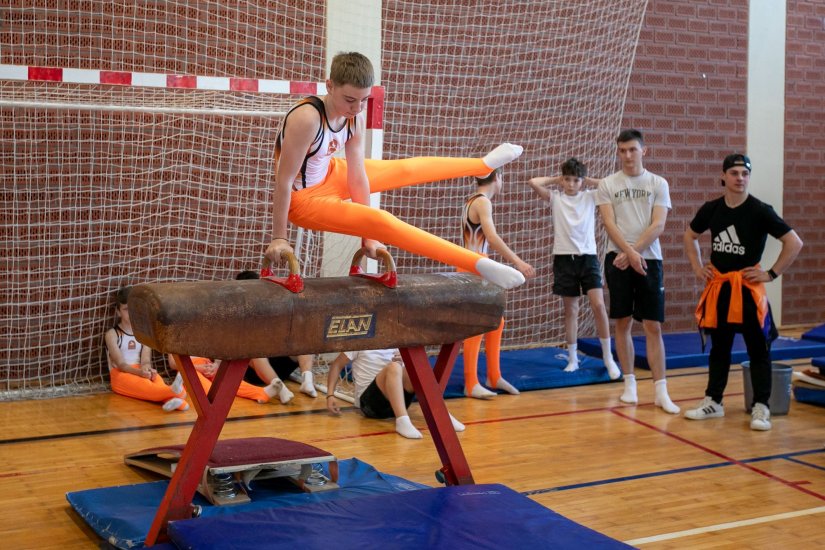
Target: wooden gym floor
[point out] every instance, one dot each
(634, 473)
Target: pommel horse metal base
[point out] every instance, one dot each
(238, 320)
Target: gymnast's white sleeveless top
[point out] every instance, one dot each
(472, 235)
(129, 346)
(327, 142)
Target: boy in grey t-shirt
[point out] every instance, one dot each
(634, 204)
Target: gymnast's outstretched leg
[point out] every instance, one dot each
(325, 213)
(385, 175)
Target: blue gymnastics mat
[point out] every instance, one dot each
(816, 333)
(468, 516)
(684, 349)
(818, 362)
(123, 515)
(532, 369)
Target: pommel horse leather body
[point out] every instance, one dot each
(238, 320)
(255, 318)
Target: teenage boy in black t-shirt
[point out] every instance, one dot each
(734, 298)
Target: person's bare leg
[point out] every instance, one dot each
(390, 382)
(596, 297)
(571, 329)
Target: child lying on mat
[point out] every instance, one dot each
(382, 388)
(130, 364)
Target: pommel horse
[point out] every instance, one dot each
(238, 320)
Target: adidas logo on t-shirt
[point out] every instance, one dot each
(728, 241)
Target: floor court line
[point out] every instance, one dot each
(607, 481)
(724, 457)
(725, 526)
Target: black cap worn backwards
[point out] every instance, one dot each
(736, 159)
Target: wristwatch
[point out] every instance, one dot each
(772, 274)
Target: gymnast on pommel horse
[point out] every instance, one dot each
(236, 320)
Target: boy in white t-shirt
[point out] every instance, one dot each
(576, 268)
(382, 388)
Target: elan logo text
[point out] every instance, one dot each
(351, 326)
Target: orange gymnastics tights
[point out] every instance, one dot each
(492, 352)
(322, 207)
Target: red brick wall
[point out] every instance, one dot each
(688, 94)
(803, 298)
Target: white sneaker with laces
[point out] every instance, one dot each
(760, 417)
(707, 408)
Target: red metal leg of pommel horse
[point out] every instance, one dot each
(236, 320)
(212, 411)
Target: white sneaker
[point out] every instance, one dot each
(707, 408)
(760, 417)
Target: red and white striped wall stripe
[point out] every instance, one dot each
(194, 82)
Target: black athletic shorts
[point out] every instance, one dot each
(374, 404)
(574, 275)
(633, 294)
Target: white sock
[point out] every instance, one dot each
(502, 275)
(457, 426)
(308, 384)
(279, 389)
(404, 427)
(176, 403)
(504, 386)
(480, 392)
(663, 399)
(177, 384)
(613, 370)
(572, 358)
(629, 395)
(501, 155)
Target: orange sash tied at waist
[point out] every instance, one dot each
(706, 310)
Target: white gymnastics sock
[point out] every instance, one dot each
(404, 426)
(176, 403)
(457, 426)
(629, 395)
(480, 392)
(663, 399)
(613, 370)
(572, 358)
(279, 389)
(308, 384)
(501, 155)
(177, 384)
(502, 275)
(504, 386)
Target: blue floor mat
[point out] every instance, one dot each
(469, 516)
(816, 333)
(532, 369)
(684, 349)
(123, 515)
